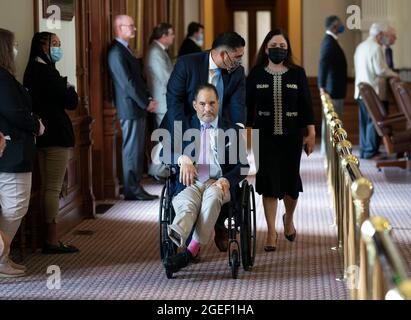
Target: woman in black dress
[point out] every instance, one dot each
(279, 105)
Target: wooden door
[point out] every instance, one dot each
(253, 19)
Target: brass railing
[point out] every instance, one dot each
(387, 276)
(351, 194)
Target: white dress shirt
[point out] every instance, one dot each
(212, 79)
(332, 34)
(370, 65)
(216, 171)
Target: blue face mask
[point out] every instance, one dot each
(341, 29)
(56, 54)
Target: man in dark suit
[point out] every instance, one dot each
(132, 100)
(332, 74)
(221, 67)
(206, 181)
(194, 40)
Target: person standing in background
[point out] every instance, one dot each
(158, 68)
(20, 127)
(388, 40)
(52, 95)
(370, 67)
(332, 73)
(194, 41)
(133, 101)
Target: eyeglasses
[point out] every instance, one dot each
(128, 25)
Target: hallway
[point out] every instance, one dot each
(120, 260)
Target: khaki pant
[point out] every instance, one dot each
(53, 165)
(15, 189)
(199, 204)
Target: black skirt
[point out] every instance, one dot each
(279, 166)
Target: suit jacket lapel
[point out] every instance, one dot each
(205, 67)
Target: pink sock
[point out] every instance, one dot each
(194, 247)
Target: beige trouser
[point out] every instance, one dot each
(53, 165)
(199, 204)
(15, 189)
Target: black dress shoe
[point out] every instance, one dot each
(61, 248)
(289, 237)
(272, 248)
(221, 238)
(177, 262)
(142, 196)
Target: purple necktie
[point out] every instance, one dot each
(204, 165)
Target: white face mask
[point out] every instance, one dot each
(200, 40)
(15, 52)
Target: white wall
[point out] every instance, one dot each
(314, 14)
(67, 35)
(191, 12)
(17, 16)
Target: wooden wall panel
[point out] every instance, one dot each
(350, 117)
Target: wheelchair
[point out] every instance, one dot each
(241, 222)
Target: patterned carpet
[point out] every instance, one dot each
(120, 260)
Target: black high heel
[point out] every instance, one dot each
(290, 237)
(272, 248)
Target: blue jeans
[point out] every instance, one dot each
(369, 139)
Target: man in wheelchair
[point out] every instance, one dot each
(207, 181)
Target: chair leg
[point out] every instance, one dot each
(404, 164)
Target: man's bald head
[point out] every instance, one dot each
(124, 27)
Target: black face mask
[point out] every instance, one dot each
(277, 55)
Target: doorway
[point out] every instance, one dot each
(253, 19)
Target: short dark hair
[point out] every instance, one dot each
(231, 40)
(160, 30)
(193, 28)
(329, 21)
(206, 86)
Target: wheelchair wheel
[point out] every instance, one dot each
(235, 264)
(167, 247)
(163, 225)
(248, 229)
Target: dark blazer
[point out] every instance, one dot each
(190, 72)
(51, 98)
(131, 95)
(296, 109)
(188, 47)
(232, 172)
(332, 74)
(18, 122)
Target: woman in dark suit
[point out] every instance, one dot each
(279, 105)
(52, 95)
(19, 127)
